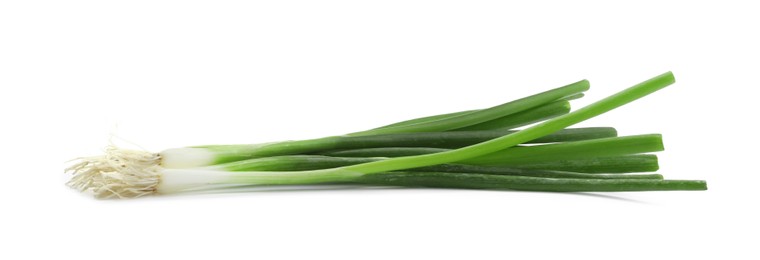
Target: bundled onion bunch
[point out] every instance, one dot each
(476, 149)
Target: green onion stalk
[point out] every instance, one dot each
(468, 162)
(521, 155)
(316, 162)
(506, 116)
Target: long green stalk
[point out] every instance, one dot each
(605, 164)
(501, 170)
(530, 118)
(537, 114)
(231, 153)
(484, 115)
(199, 156)
(503, 182)
(613, 164)
(316, 162)
(524, 118)
(613, 146)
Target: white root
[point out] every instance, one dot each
(119, 173)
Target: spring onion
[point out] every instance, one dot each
(484, 115)
(506, 182)
(229, 153)
(611, 164)
(128, 173)
(197, 156)
(316, 162)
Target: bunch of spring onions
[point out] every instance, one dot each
(477, 149)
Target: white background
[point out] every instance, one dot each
(166, 74)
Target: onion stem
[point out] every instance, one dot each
(480, 116)
(503, 182)
(231, 153)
